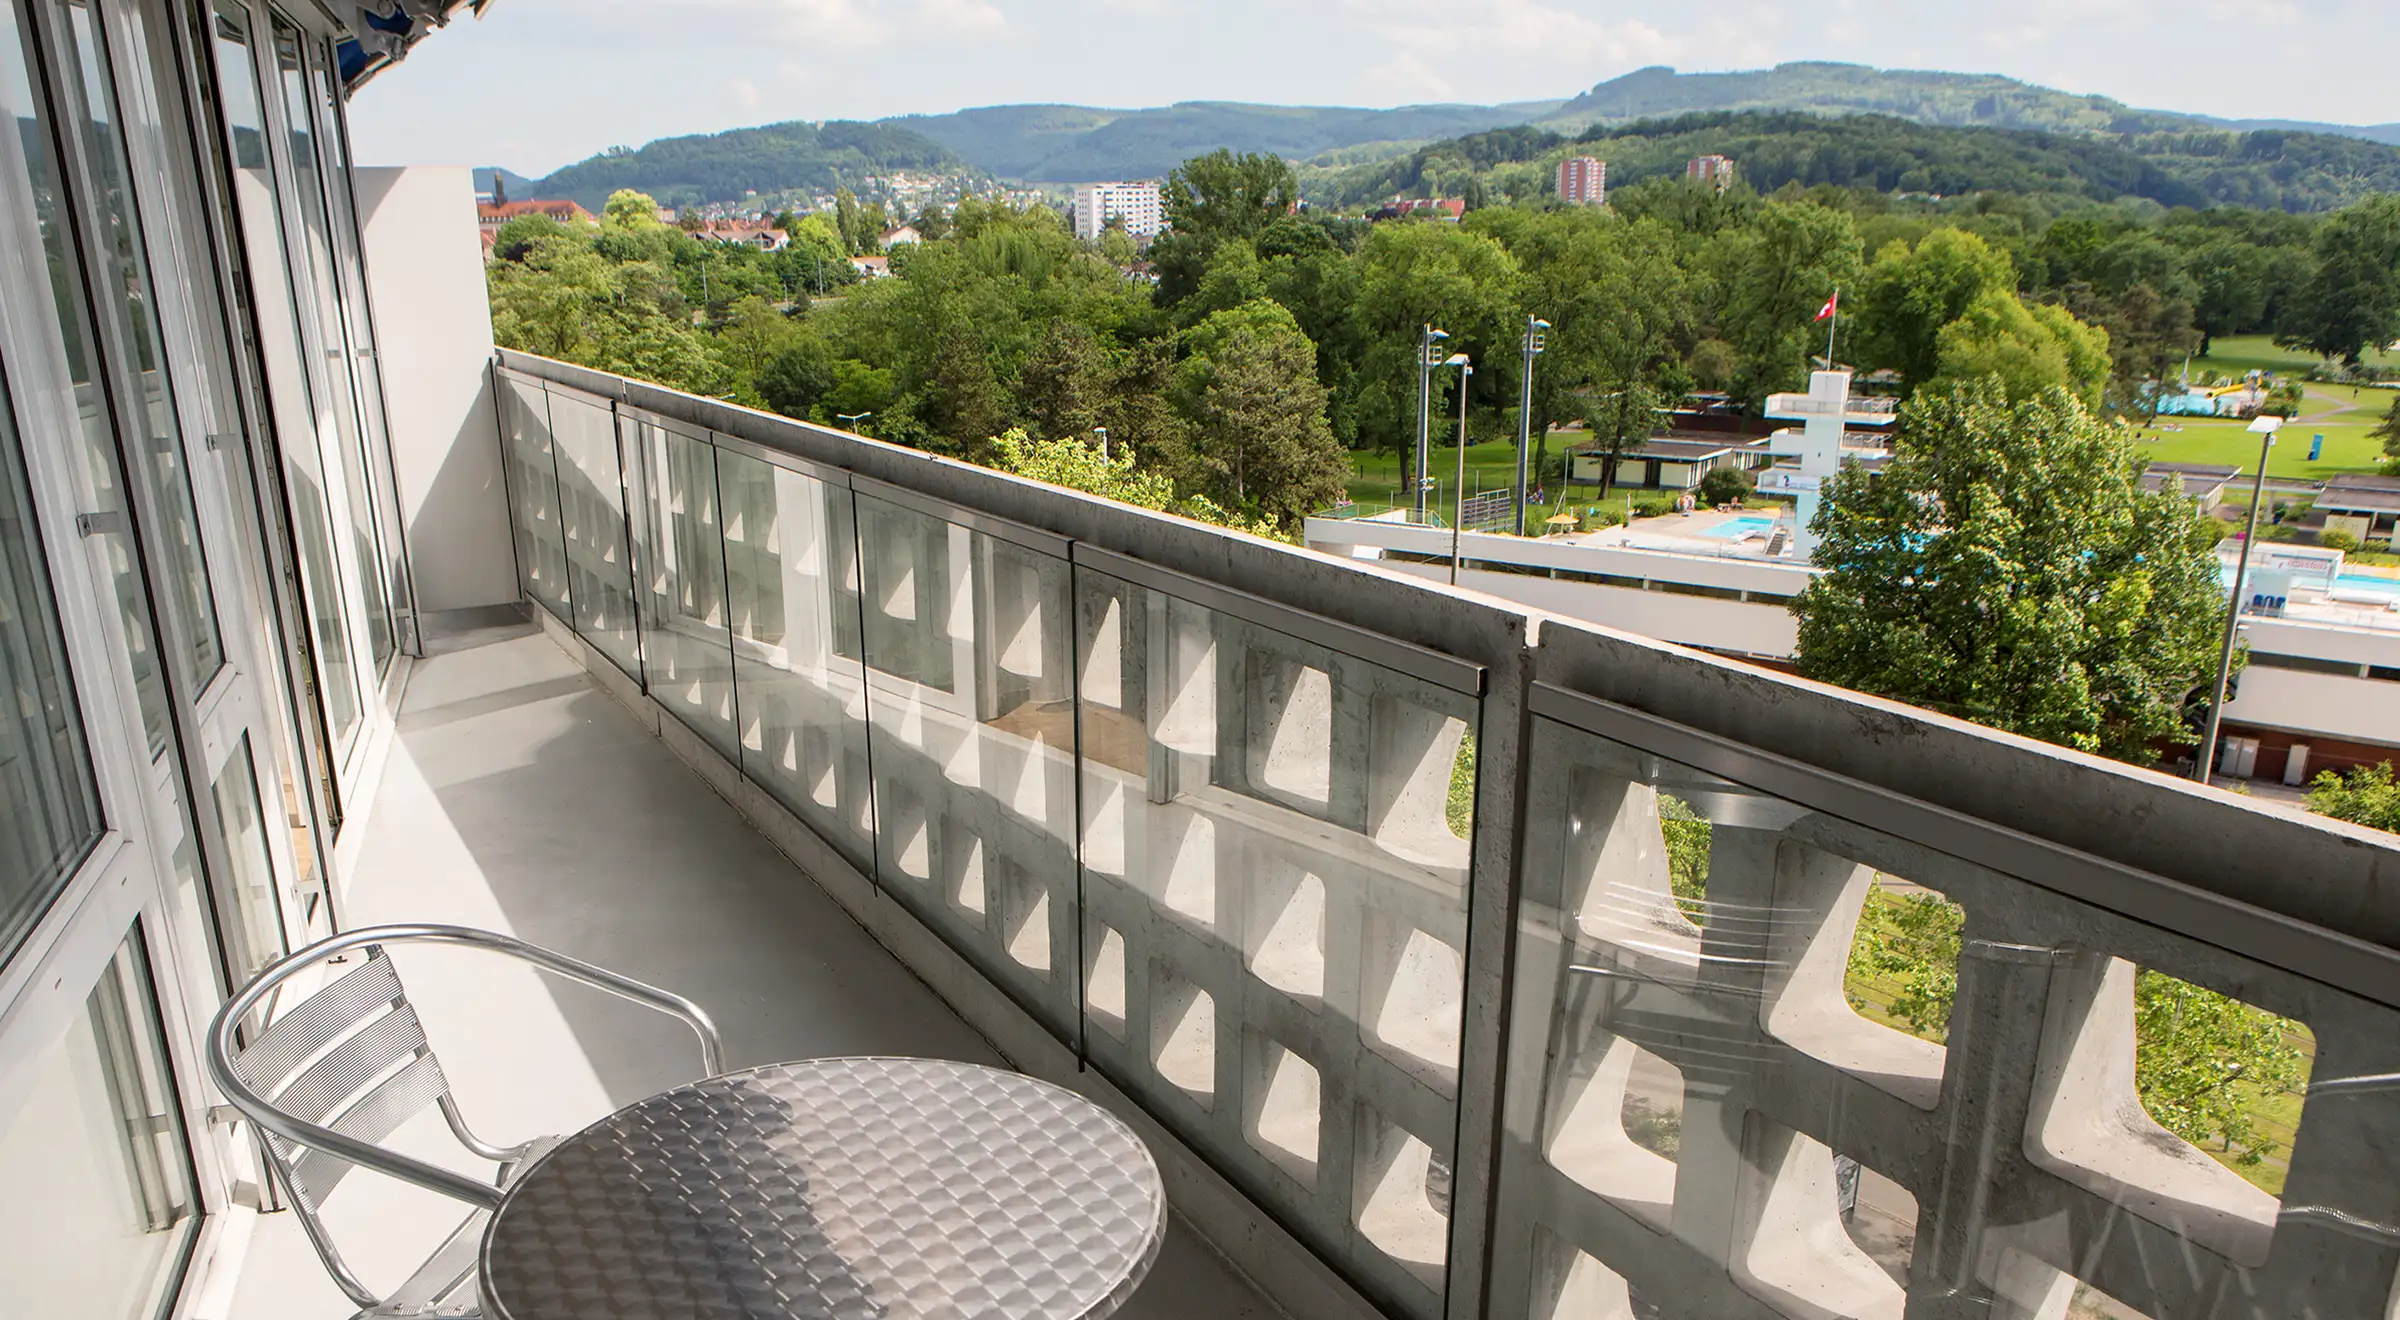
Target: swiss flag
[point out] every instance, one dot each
(1832, 305)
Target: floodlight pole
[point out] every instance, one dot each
(1534, 326)
(1425, 366)
(1458, 510)
(2266, 427)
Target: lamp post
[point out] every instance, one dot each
(2264, 428)
(1102, 432)
(853, 419)
(1426, 362)
(1535, 342)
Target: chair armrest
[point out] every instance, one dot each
(220, 1043)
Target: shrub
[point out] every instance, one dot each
(1654, 506)
(1724, 486)
(2337, 540)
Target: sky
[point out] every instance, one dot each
(537, 84)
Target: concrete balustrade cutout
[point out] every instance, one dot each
(1819, 898)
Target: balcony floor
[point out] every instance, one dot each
(520, 798)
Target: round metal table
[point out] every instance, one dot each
(841, 1189)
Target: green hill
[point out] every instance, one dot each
(2173, 167)
(1952, 99)
(1066, 144)
(719, 167)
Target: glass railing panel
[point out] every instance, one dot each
(791, 579)
(1768, 1060)
(591, 501)
(679, 568)
(533, 495)
(1276, 841)
(968, 659)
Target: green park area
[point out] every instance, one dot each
(2343, 414)
(1377, 481)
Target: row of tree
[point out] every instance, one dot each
(1268, 340)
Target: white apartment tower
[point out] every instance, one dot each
(1138, 204)
(1583, 181)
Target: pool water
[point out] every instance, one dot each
(1734, 529)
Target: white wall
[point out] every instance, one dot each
(434, 327)
(1723, 625)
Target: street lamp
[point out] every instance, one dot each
(854, 419)
(1426, 362)
(2264, 428)
(1535, 342)
(1102, 432)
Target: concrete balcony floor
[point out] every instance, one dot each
(520, 798)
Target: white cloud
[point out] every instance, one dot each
(961, 18)
(745, 94)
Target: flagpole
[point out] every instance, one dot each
(1834, 324)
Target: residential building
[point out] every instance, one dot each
(758, 234)
(491, 215)
(1716, 171)
(873, 268)
(1138, 205)
(902, 236)
(1583, 181)
(1361, 900)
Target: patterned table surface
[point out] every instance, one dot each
(847, 1189)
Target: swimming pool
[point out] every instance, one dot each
(1734, 529)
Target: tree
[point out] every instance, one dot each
(1063, 384)
(1224, 195)
(2007, 567)
(1118, 475)
(2023, 350)
(1724, 486)
(1620, 416)
(1771, 276)
(1411, 276)
(2388, 431)
(1909, 296)
(2368, 795)
(2352, 302)
(1259, 436)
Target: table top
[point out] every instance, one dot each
(841, 1189)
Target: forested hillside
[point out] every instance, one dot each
(717, 167)
(2298, 172)
(1064, 144)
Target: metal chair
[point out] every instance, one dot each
(342, 1069)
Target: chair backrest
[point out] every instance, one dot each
(351, 1057)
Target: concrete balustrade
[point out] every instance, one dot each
(1185, 801)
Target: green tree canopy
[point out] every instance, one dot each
(2007, 567)
(1259, 438)
(2352, 301)
(1224, 195)
(1910, 295)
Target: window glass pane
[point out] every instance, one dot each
(42, 182)
(290, 391)
(972, 741)
(49, 808)
(155, 446)
(247, 913)
(317, 275)
(791, 575)
(591, 500)
(101, 1216)
(365, 360)
(686, 645)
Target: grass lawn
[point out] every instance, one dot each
(2330, 411)
(1377, 481)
